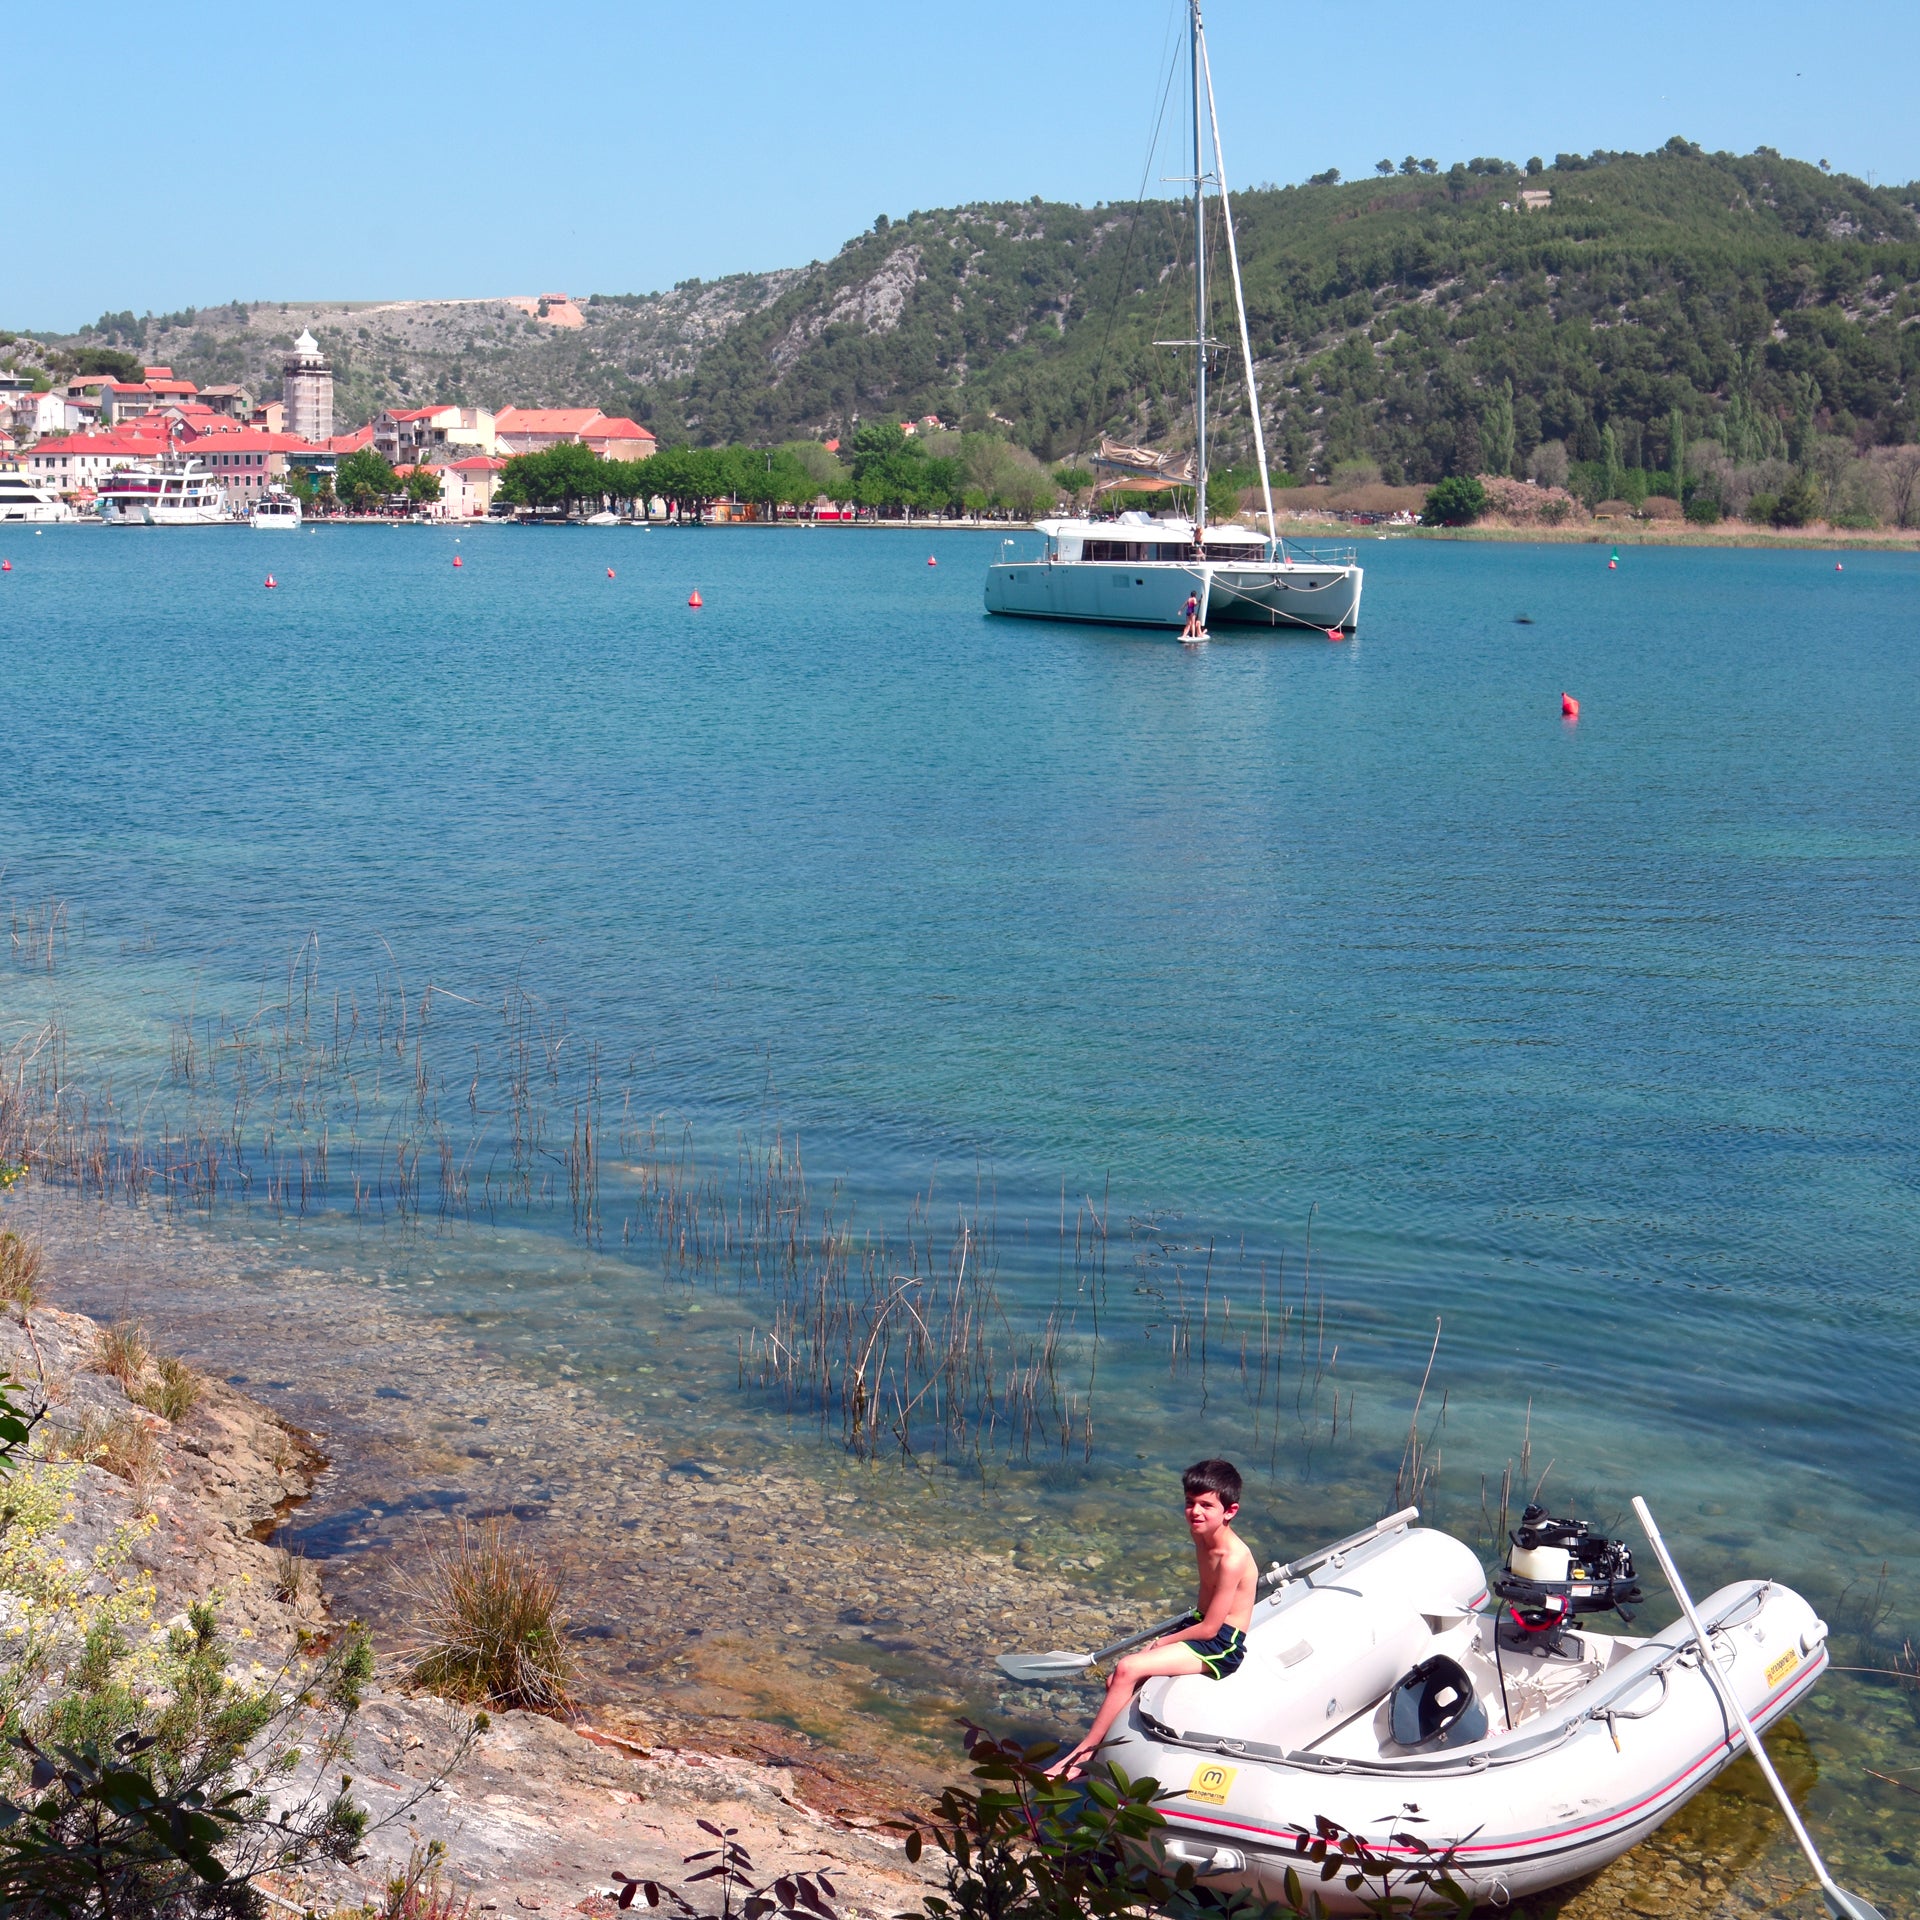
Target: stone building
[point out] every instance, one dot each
(307, 390)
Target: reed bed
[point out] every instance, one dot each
(414, 1109)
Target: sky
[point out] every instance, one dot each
(426, 150)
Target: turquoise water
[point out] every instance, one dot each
(1600, 1042)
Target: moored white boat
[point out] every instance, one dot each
(1139, 571)
(275, 511)
(166, 492)
(24, 499)
(1380, 1693)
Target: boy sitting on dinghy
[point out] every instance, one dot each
(1216, 1642)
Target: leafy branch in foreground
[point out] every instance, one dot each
(1021, 1845)
(1388, 1885)
(787, 1896)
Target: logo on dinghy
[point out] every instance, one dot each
(1210, 1783)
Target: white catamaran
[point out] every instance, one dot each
(1141, 570)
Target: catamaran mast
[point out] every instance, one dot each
(1199, 289)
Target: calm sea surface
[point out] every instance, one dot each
(1597, 1043)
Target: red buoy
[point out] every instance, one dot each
(694, 600)
(931, 561)
(456, 559)
(1569, 707)
(1334, 633)
(609, 573)
(6, 566)
(271, 581)
(1838, 568)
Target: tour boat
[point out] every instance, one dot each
(1382, 1693)
(25, 499)
(1142, 571)
(167, 492)
(275, 511)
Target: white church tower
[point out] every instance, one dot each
(307, 392)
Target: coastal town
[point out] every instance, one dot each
(78, 442)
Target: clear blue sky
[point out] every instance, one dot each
(169, 158)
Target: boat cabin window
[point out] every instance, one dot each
(1136, 550)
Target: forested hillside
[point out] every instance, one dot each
(1761, 298)
(1419, 321)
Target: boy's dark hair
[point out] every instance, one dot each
(1212, 1476)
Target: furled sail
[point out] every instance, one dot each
(1120, 466)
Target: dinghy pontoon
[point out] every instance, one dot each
(1382, 1692)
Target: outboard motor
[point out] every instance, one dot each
(1557, 1570)
(1434, 1707)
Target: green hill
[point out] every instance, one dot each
(1388, 316)
(1420, 321)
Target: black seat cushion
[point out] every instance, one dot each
(1434, 1706)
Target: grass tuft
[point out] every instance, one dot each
(290, 1574)
(490, 1625)
(122, 1353)
(123, 1446)
(21, 1260)
(174, 1394)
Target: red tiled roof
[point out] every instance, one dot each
(124, 442)
(477, 463)
(547, 419)
(411, 413)
(618, 428)
(241, 439)
(354, 442)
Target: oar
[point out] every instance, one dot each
(1849, 1906)
(1037, 1669)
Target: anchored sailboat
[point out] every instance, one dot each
(1142, 570)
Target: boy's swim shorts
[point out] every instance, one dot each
(1222, 1653)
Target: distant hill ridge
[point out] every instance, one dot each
(1421, 321)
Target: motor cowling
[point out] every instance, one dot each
(1559, 1569)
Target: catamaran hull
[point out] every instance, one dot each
(1154, 594)
(1530, 1809)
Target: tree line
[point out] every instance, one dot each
(882, 466)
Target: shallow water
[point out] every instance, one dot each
(1597, 1043)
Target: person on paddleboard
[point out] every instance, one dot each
(1192, 629)
(1216, 1641)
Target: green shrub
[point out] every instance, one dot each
(1703, 510)
(137, 1773)
(1455, 502)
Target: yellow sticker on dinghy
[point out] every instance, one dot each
(1783, 1666)
(1210, 1783)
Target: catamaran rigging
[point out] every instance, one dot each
(1236, 575)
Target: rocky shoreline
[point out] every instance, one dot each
(537, 1815)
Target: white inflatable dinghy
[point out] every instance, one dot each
(1380, 1691)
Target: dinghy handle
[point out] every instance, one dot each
(1279, 1577)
